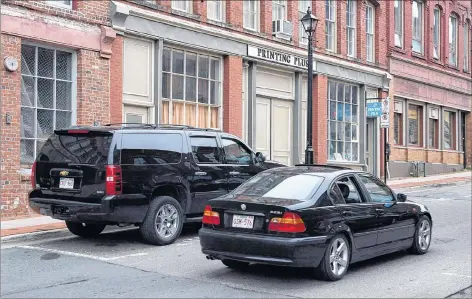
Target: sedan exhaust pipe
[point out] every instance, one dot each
(209, 257)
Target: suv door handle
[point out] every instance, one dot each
(233, 173)
(200, 173)
(347, 213)
(380, 211)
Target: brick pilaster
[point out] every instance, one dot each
(232, 95)
(320, 115)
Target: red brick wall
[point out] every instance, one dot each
(266, 16)
(320, 115)
(234, 14)
(116, 80)
(232, 95)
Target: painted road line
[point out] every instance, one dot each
(88, 256)
(457, 275)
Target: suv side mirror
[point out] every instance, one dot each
(260, 157)
(401, 197)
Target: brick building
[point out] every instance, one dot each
(63, 52)
(238, 66)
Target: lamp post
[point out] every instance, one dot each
(309, 23)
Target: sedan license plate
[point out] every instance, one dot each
(66, 183)
(243, 221)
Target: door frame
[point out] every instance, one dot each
(375, 125)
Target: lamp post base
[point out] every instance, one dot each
(309, 155)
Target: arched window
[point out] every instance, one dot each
(437, 33)
(417, 26)
(453, 26)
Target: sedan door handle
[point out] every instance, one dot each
(200, 173)
(347, 213)
(233, 173)
(380, 211)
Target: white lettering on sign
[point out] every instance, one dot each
(274, 56)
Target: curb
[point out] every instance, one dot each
(443, 182)
(31, 229)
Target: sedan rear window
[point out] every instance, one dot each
(281, 186)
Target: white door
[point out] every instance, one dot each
(274, 129)
(135, 114)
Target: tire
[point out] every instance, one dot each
(85, 230)
(237, 265)
(168, 212)
(422, 239)
(325, 271)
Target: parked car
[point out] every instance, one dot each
(320, 217)
(155, 177)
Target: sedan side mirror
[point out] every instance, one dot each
(401, 197)
(260, 157)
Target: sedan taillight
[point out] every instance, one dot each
(210, 217)
(289, 223)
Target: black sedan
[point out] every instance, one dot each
(320, 217)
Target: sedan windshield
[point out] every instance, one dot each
(280, 185)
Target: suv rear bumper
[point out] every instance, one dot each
(112, 209)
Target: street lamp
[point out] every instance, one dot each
(309, 23)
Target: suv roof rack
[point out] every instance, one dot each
(323, 165)
(164, 126)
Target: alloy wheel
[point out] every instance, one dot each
(167, 221)
(339, 257)
(424, 235)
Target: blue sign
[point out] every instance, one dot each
(374, 109)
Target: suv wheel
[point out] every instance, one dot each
(164, 221)
(85, 230)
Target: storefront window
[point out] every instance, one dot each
(191, 89)
(398, 128)
(415, 125)
(433, 133)
(343, 122)
(449, 130)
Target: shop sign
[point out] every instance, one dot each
(374, 109)
(278, 57)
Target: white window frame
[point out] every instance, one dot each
(255, 14)
(399, 36)
(456, 132)
(371, 34)
(351, 16)
(218, 16)
(302, 9)
(332, 21)
(279, 4)
(453, 45)
(59, 3)
(466, 46)
(188, 5)
(171, 100)
(437, 33)
(73, 80)
(417, 36)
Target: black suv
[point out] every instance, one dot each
(153, 176)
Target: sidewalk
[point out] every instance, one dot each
(44, 223)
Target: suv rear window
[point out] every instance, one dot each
(151, 149)
(83, 149)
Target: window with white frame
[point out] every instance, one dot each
(369, 31)
(351, 27)
(398, 19)
(417, 26)
(216, 10)
(279, 10)
(302, 9)
(61, 3)
(466, 45)
(453, 40)
(191, 88)
(330, 23)
(437, 33)
(343, 122)
(251, 14)
(46, 97)
(182, 5)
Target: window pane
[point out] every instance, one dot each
(354, 132)
(27, 122)
(27, 151)
(178, 62)
(45, 93)
(340, 92)
(340, 131)
(27, 91)
(340, 111)
(354, 114)
(436, 33)
(202, 116)
(191, 115)
(177, 87)
(354, 94)
(414, 124)
(397, 128)
(63, 119)
(45, 62)
(215, 69)
(191, 89)
(202, 91)
(448, 127)
(377, 191)
(332, 91)
(166, 85)
(332, 130)
(63, 65)
(214, 93)
(166, 60)
(332, 110)
(28, 54)
(348, 132)
(205, 150)
(63, 95)
(45, 122)
(347, 112)
(191, 67)
(235, 152)
(452, 40)
(203, 66)
(347, 94)
(153, 149)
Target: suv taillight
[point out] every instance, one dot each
(210, 217)
(33, 176)
(289, 223)
(113, 182)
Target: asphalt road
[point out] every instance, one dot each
(117, 264)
